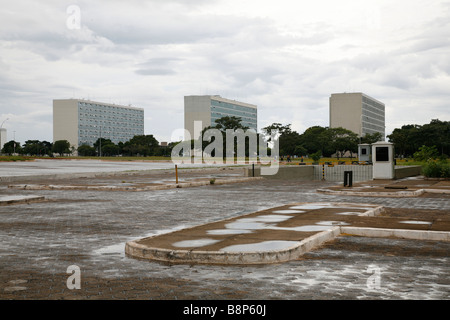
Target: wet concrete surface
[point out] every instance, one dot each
(89, 229)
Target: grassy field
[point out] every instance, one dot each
(296, 161)
(15, 158)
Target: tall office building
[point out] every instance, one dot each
(357, 112)
(208, 109)
(83, 121)
(3, 138)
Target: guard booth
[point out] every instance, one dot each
(364, 152)
(383, 160)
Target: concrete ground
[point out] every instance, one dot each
(89, 229)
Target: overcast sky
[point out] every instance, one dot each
(285, 56)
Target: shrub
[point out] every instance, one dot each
(426, 153)
(316, 156)
(435, 169)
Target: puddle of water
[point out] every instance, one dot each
(266, 218)
(349, 213)
(332, 223)
(194, 243)
(246, 225)
(307, 228)
(227, 231)
(310, 207)
(17, 288)
(416, 222)
(261, 246)
(288, 211)
(112, 249)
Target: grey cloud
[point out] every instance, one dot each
(157, 66)
(154, 71)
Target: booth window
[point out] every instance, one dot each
(382, 154)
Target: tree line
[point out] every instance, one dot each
(140, 145)
(317, 140)
(411, 138)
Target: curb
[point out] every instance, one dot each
(21, 199)
(139, 251)
(397, 194)
(118, 188)
(397, 233)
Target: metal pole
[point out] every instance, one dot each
(323, 171)
(253, 169)
(176, 173)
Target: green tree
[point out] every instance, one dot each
(343, 140)
(86, 150)
(110, 149)
(223, 124)
(316, 139)
(12, 146)
(227, 122)
(372, 138)
(36, 147)
(426, 153)
(409, 138)
(316, 156)
(145, 145)
(61, 147)
(289, 141)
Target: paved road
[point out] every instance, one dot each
(39, 241)
(73, 166)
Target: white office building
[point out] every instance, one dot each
(3, 137)
(83, 121)
(357, 112)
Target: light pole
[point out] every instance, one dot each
(4, 122)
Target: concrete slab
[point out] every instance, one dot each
(402, 188)
(162, 185)
(261, 238)
(12, 199)
(60, 169)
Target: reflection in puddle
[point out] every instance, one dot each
(307, 228)
(227, 231)
(416, 222)
(310, 207)
(112, 249)
(246, 225)
(266, 218)
(261, 246)
(288, 211)
(349, 213)
(194, 243)
(332, 223)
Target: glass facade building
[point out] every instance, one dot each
(208, 109)
(83, 122)
(248, 115)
